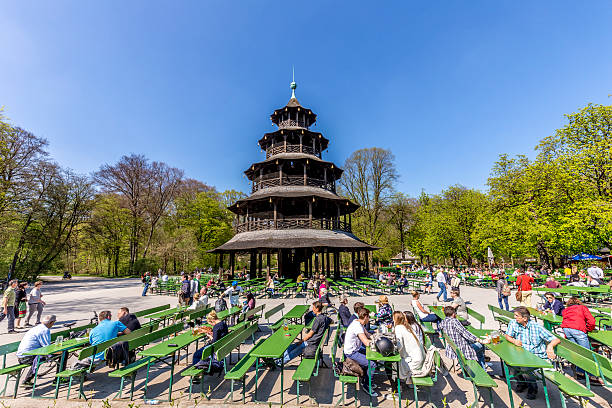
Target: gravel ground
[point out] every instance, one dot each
(74, 300)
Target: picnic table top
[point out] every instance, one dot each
(164, 349)
(602, 336)
(296, 312)
(549, 317)
(165, 313)
(225, 313)
(376, 356)
(275, 345)
(517, 356)
(58, 347)
(371, 308)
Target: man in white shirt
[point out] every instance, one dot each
(165, 277)
(234, 293)
(596, 273)
(441, 279)
(355, 341)
(37, 337)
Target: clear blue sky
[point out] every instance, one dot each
(446, 85)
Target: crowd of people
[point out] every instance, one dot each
(17, 303)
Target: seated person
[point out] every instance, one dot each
(249, 304)
(344, 314)
(311, 339)
(355, 341)
(424, 314)
(37, 337)
(553, 304)
(219, 330)
(105, 330)
(524, 332)
(198, 302)
(129, 320)
(384, 312)
(551, 283)
(470, 345)
(410, 347)
(459, 304)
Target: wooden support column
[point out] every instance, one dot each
(325, 175)
(322, 262)
(260, 266)
(359, 263)
(275, 223)
(253, 264)
(367, 261)
(327, 263)
(220, 264)
(309, 262)
(280, 174)
(268, 264)
(248, 219)
(354, 271)
(336, 265)
(316, 262)
(305, 182)
(232, 262)
(310, 213)
(301, 145)
(279, 262)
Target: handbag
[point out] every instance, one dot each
(351, 367)
(506, 290)
(519, 292)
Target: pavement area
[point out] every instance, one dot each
(75, 299)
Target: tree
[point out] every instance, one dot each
(369, 179)
(403, 212)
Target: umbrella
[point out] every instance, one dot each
(585, 257)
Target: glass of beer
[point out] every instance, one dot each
(495, 337)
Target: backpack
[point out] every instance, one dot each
(143, 280)
(506, 290)
(220, 305)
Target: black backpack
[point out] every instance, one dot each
(220, 305)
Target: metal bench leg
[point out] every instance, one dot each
(132, 387)
(416, 397)
(5, 384)
(17, 378)
(191, 385)
(81, 392)
(298, 392)
(69, 387)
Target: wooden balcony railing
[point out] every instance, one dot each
(290, 148)
(293, 181)
(293, 223)
(290, 123)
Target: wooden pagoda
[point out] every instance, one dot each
(293, 212)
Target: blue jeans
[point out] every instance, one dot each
(146, 288)
(579, 337)
(505, 300)
(293, 351)
(479, 349)
(442, 291)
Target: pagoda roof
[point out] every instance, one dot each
(319, 135)
(293, 192)
(337, 171)
(293, 103)
(293, 238)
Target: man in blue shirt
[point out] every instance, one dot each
(523, 332)
(105, 330)
(37, 337)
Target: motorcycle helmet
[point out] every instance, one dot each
(385, 346)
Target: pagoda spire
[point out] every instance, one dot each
(293, 84)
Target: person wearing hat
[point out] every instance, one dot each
(384, 314)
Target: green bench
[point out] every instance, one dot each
(222, 349)
(272, 312)
(344, 379)
(238, 372)
(131, 369)
(593, 363)
(90, 352)
(146, 312)
(479, 318)
(473, 372)
(501, 316)
(306, 369)
(427, 381)
(13, 371)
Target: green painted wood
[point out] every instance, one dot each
(164, 349)
(376, 356)
(130, 368)
(58, 348)
(602, 336)
(275, 309)
(13, 369)
(567, 385)
(517, 356)
(296, 312)
(146, 312)
(278, 342)
(479, 376)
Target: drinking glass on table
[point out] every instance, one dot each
(59, 340)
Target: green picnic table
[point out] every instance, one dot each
(165, 313)
(523, 361)
(372, 355)
(602, 336)
(274, 347)
(228, 312)
(371, 308)
(165, 349)
(296, 313)
(550, 319)
(55, 348)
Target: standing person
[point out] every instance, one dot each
(185, 292)
(524, 332)
(20, 303)
(424, 314)
(195, 285)
(470, 345)
(270, 286)
(8, 305)
(577, 322)
(164, 277)
(523, 283)
(35, 303)
(356, 339)
(410, 348)
(503, 291)
(344, 314)
(36, 337)
(441, 279)
(234, 292)
(146, 279)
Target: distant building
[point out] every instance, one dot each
(403, 258)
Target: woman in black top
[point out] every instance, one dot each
(219, 330)
(20, 303)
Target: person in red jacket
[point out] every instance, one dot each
(577, 322)
(523, 283)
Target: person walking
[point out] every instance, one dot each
(523, 283)
(146, 279)
(20, 303)
(35, 303)
(441, 279)
(8, 305)
(503, 291)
